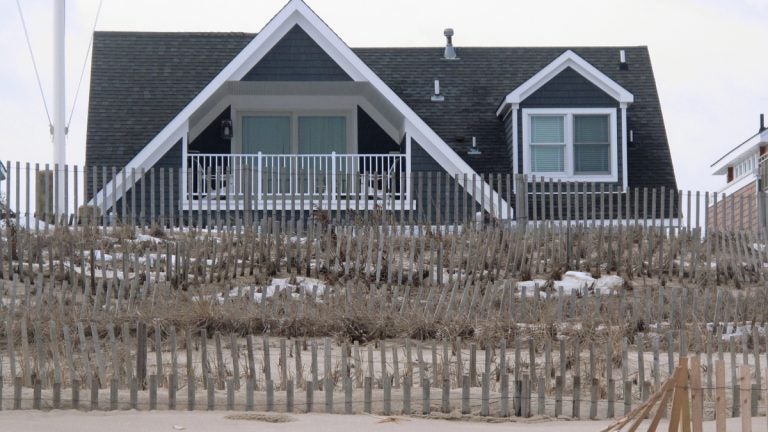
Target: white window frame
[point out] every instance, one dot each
(568, 114)
(745, 167)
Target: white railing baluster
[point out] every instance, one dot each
(218, 174)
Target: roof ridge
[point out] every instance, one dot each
(160, 33)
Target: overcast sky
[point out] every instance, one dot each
(710, 57)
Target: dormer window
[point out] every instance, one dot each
(571, 144)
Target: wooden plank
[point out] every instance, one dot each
(720, 396)
(697, 395)
(744, 398)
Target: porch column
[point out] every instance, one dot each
(624, 173)
(408, 170)
(333, 176)
(259, 165)
(184, 170)
(515, 143)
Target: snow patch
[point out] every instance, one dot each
(310, 287)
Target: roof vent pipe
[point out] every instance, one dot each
(623, 60)
(437, 97)
(762, 122)
(450, 52)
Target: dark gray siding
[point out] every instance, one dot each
(170, 163)
(296, 58)
(508, 134)
(210, 140)
(371, 138)
(438, 195)
(569, 89)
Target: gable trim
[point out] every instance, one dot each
(575, 62)
(296, 12)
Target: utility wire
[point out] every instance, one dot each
(85, 62)
(34, 63)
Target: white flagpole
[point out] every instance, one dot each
(59, 101)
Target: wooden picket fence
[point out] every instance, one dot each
(687, 394)
(166, 197)
(140, 366)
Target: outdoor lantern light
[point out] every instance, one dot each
(226, 129)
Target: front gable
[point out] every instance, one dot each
(566, 60)
(569, 89)
(297, 57)
(297, 17)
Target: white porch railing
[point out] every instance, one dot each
(327, 177)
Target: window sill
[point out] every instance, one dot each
(607, 178)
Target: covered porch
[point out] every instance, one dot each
(290, 146)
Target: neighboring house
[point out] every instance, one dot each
(293, 110)
(741, 202)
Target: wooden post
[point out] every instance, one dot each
(75, 395)
(152, 392)
(141, 354)
(627, 397)
(37, 391)
(113, 397)
(744, 398)
(230, 394)
(95, 393)
(720, 396)
(367, 393)
(407, 385)
(347, 395)
(697, 395)
(211, 402)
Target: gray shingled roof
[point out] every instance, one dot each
(140, 81)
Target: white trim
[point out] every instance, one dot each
(296, 12)
(568, 113)
(738, 184)
(565, 60)
(515, 143)
(738, 153)
(298, 204)
(624, 156)
(278, 102)
(184, 168)
(408, 147)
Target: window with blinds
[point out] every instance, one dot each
(548, 144)
(591, 144)
(571, 143)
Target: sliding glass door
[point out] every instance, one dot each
(322, 134)
(267, 134)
